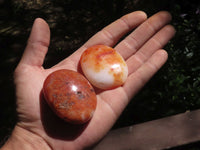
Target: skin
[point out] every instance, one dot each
(39, 128)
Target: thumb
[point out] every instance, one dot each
(37, 45)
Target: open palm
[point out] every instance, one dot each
(142, 51)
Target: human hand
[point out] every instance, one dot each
(39, 128)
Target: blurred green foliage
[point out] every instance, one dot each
(174, 89)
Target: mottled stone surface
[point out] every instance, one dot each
(70, 95)
(104, 67)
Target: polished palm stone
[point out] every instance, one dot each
(70, 96)
(104, 67)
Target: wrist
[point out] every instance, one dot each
(22, 139)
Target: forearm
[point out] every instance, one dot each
(22, 139)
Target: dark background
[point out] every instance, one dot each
(174, 89)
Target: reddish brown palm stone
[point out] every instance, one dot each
(70, 96)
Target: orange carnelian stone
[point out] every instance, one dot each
(104, 67)
(70, 96)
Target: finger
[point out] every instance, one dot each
(141, 76)
(37, 45)
(143, 33)
(113, 32)
(158, 41)
(110, 34)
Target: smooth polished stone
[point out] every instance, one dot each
(70, 96)
(104, 67)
